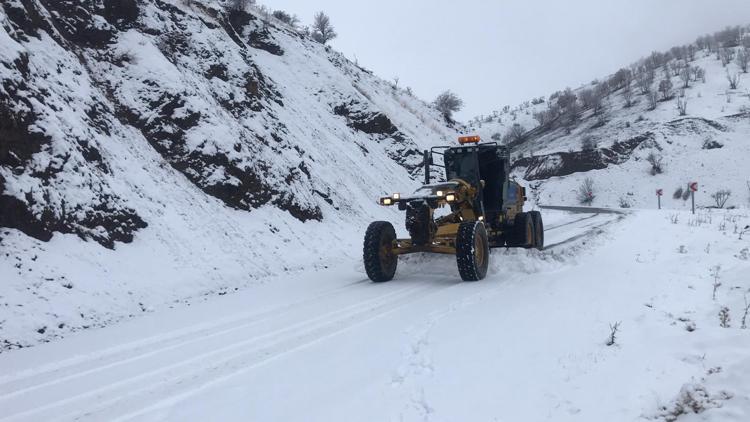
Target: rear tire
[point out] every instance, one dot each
(536, 217)
(380, 262)
(472, 251)
(523, 231)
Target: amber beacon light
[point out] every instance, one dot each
(469, 140)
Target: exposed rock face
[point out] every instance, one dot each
(566, 163)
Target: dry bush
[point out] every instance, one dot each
(721, 197)
(656, 162)
(586, 192)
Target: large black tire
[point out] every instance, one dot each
(536, 217)
(523, 231)
(472, 251)
(380, 263)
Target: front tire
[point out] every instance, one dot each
(472, 251)
(380, 261)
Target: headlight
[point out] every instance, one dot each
(386, 201)
(450, 197)
(396, 196)
(440, 194)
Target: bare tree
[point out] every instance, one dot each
(448, 103)
(240, 5)
(627, 95)
(682, 106)
(586, 192)
(665, 87)
(322, 30)
(721, 197)
(515, 134)
(734, 80)
(743, 58)
(726, 55)
(653, 99)
(685, 76)
(587, 98)
(287, 18)
(644, 79)
(698, 74)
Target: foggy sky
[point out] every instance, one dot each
(493, 53)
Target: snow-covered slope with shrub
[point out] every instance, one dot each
(158, 150)
(708, 144)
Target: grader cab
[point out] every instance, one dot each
(484, 210)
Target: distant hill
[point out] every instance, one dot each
(608, 130)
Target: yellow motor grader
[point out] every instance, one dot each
(485, 211)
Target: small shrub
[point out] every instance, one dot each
(734, 80)
(678, 193)
(656, 163)
(709, 143)
(589, 143)
(613, 330)
(586, 192)
(721, 197)
(624, 202)
(724, 318)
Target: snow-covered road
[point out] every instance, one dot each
(526, 344)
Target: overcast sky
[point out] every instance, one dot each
(493, 53)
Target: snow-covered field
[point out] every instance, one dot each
(529, 343)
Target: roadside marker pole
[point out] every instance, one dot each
(692, 195)
(693, 186)
(659, 193)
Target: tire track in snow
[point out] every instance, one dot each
(176, 381)
(55, 373)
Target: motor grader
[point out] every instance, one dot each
(483, 209)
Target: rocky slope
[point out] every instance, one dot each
(156, 150)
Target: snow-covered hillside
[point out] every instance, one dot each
(157, 150)
(532, 342)
(708, 144)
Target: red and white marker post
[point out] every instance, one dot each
(693, 186)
